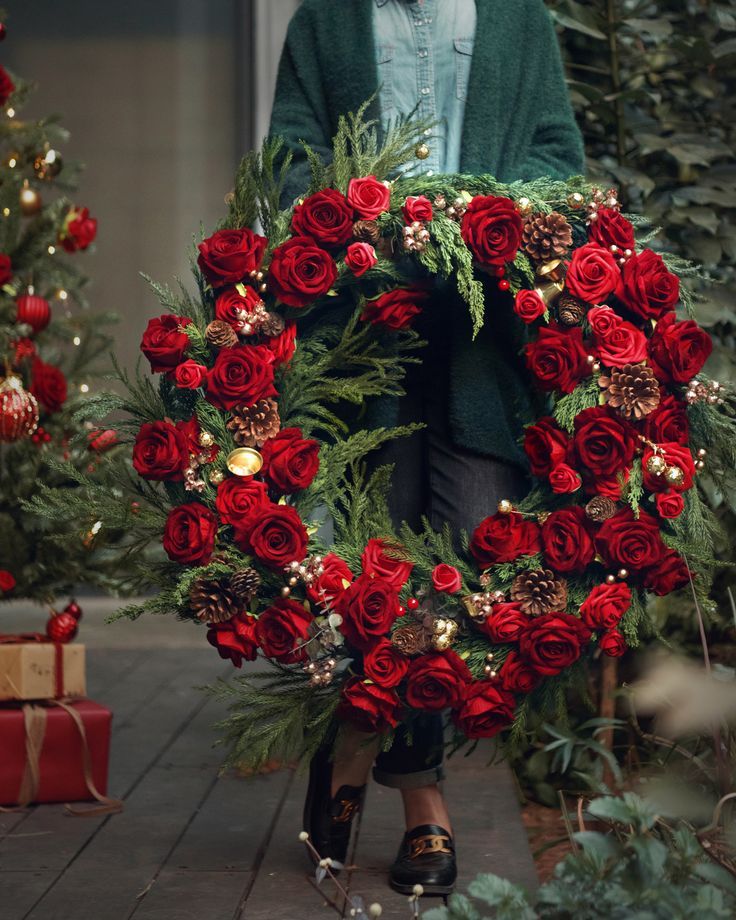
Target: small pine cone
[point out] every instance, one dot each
(220, 335)
(245, 584)
(600, 508)
(632, 389)
(252, 426)
(366, 231)
(546, 236)
(212, 600)
(412, 639)
(273, 324)
(539, 591)
(571, 310)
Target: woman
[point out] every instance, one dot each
(488, 74)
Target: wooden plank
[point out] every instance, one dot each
(180, 894)
(19, 891)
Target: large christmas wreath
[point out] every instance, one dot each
(246, 435)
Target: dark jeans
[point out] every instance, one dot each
(434, 477)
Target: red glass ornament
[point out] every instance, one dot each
(61, 627)
(33, 310)
(18, 411)
(74, 609)
(504, 284)
(412, 603)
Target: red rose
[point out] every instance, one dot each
(446, 578)
(485, 710)
(395, 309)
(368, 608)
(667, 575)
(610, 228)
(238, 498)
(385, 664)
(360, 257)
(24, 348)
(558, 358)
(503, 538)
(675, 455)
(301, 272)
(164, 342)
(437, 681)
(649, 289)
(6, 268)
(670, 504)
(160, 452)
(283, 345)
(189, 534)
(325, 216)
(275, 534)
(625, 541)
(232, 306)
(101, 440)
(48, 385)
(623, 344)
(379, 559)
(605, 605)
(290, 461)
(7, 581)
(593, 273)
(282, 630)
(603, 320)
(78, 230)
(668, 422)
(235, 639)
(492, 227)
(241, 375)
(505, 624)
(564, 479)
(566, 540)
(369, 197)
(554, 641)
(604, 443)
(545, 444)
(7, 87)
(189, 375)
(229, 256)
(678, 351)
(417, 208)
(528, 305)
(327, 587)
(613, 643)
(517, 675)
(370, 708)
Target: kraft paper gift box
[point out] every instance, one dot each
(38, 670)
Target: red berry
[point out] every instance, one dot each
(402, 610)
(500, 271)
(74, 609)
(504, 284)
(412, 603)
(62, 627)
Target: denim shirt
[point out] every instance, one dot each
(424, 49)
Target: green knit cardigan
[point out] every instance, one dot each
(518, 124)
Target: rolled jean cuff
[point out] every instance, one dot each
(409, 780)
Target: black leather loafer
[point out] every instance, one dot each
(328, 819)
(426, 857)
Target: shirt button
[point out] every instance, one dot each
(423, 53)
(425, 90)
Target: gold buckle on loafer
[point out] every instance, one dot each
(349, 809)
(429, 843)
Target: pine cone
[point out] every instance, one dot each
(252, 426)
(571, 310)
(546, 236)
(274, 324)
(539, 591)
(366, 231)
(412, 639)
(600, 508)
(220, 335)
(632, 389)
(212, 600)
(245, 584)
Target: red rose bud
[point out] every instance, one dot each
(34, 311)
(282, 630)
(369, 197)
(593, 274)
(368, 607)
(517, 676)
(417, 208)
(301, 272)
(327, 587)
(385, 664)
(613, 643)
(6, 268)
(235, 639)
(485, 710)
(670, 504)
(290, 462)
(529, 305)
(503, 538)
(553, 642)
(610, 228)
(360, 257)
(325, 216)
(78, 230)
(229, 256)
(189, 534)
(437, 681)
(558, 358)
(678, 350)
(492, 227)
(239, 497)
(160, 452)
(240, 376)
(164, 342)
(605, 605)
(48, 385)
(546, 445)
(446, 578)
(505, 624)
(100, 441)
(61, 627)
(649, 289)
(368, 706)
(564, 479)
(7, 581)
(394, 309)
(380, 558)
(189, 375)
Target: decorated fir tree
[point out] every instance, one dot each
(49, 346)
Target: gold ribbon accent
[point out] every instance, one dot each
(429, 843)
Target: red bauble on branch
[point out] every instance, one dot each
(33, 310)
(18, 411)
(61, 627)
(73, 609)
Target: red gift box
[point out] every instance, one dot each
(54, 751)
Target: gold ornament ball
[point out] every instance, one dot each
(422, 151)
(674, 475)
(244, 461)
(610, 579)
(216, 477)
(702, 453)
(48, 165)
(30, 200)
(575, 200)
(656, 465)
(505, 506)
(623, 574)
(524, 206)
(206, 439)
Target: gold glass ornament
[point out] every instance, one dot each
(48, 165)
(216, 477)
(206, 439)
(524, 206)
(505, 506)
(422, 151)
(554, 270)
(30, 200)
(575, 200)
(674, 475)
(244, 461)
(656, 465)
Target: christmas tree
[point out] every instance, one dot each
(50, 344)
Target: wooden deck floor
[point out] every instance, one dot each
(194, 844)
